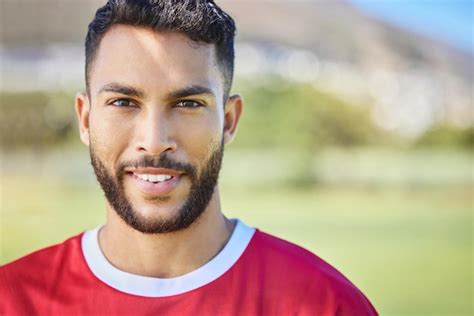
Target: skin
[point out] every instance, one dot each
(158, 64)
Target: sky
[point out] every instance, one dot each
(448, 20)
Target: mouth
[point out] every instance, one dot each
(155, 181)
(154, 178)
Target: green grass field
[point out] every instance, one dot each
(408, 247)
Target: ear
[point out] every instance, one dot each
(82, 106)
(232, 111)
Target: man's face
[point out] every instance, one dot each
(156, 125)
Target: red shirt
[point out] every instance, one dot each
(255, 274)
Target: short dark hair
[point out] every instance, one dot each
(200, 20)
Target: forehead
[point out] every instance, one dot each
(142, 57)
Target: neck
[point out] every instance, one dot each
(165, 255)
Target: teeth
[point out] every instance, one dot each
(154, 177)
(143, 176)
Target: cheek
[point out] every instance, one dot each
(109, 136)
(200, 137)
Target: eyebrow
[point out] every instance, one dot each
(190, 91)
(137, 93)
(122, 89)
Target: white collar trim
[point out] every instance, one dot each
(160, 287)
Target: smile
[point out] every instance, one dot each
(155, 181)
(154, 177)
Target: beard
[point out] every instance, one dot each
(201, 191)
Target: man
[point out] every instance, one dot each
(156, 115)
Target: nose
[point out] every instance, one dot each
(155, 134)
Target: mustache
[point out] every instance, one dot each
(162, 161)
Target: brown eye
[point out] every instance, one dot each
(188, 104)
(123, 103)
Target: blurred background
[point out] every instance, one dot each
(356, 141)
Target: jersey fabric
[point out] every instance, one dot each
(254, 274)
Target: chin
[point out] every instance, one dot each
(154, 212)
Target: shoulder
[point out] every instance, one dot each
(289, 255)
(46, 255)
(312, 276)
(39, 265)
(28, 282)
